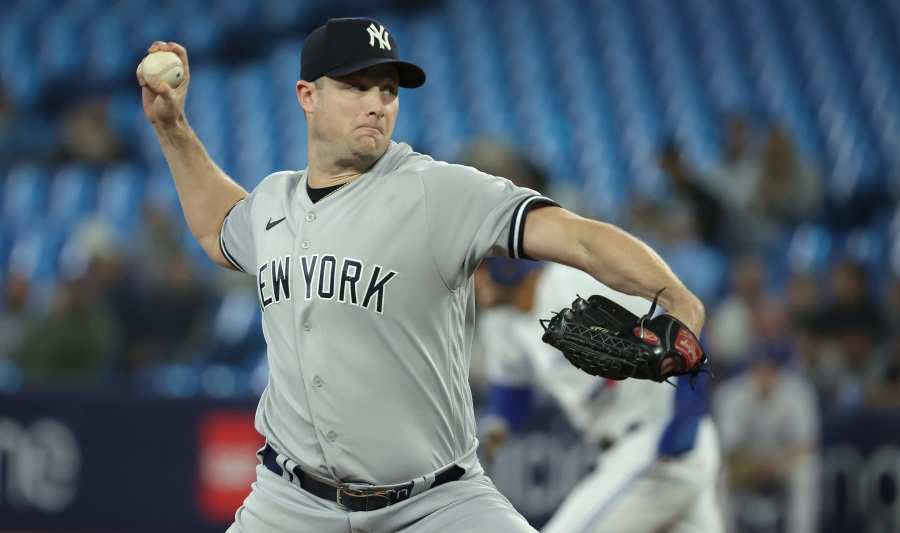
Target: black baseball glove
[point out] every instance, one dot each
(604, 339)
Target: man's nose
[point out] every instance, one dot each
(375, 103)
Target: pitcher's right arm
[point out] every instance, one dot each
(205, 191)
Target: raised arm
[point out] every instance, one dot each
(205, 191)
(612, 256)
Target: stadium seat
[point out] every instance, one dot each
(25, 195)
(73, 194)
(35, 252)
(120, 196)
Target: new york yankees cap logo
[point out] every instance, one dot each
(345, 45)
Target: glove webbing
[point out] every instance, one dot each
(584, 347)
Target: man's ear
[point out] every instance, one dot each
(306, 95)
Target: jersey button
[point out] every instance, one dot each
(310, 217)
(307, 326)
(304, 245)
(318, 382)
(332, 436)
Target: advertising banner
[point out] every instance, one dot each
(105, 463)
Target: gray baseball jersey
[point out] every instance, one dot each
(368, 310)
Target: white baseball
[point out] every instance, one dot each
(164, 64)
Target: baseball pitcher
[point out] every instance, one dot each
(363, 263)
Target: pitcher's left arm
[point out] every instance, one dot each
(613, 257)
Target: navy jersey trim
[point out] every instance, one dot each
(517, 225)
(228, 257)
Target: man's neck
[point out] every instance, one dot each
(322, 179)
(324, 171)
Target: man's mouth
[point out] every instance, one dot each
(371, 129)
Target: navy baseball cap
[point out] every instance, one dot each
(345, 45)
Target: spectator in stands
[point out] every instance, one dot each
(86, 135)
(803, 299)
(803, 302)
(75, 343)
(848, 330)
(885, 392)
(733, 183)
(158, 242)
(169, 317)
(24, 138)
(747, 313)
(15, 314)
(735, 179)
(706, 208)
(851, 296)
(500, 159)
(646, 219)
(789, 189)
(892, 304)
(769, 422)
(169, 305)
(761, 190)
(178, 313)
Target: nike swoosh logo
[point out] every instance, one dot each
(271, 224)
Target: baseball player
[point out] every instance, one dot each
(660, 454)
(363, 263)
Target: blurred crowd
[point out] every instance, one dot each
(792, 343)
(115, 311)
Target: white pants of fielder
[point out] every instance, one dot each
(634, 491)
(468, 505)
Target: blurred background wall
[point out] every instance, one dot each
(752, 142)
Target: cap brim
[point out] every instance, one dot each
(411, 76)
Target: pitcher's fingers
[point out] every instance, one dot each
(147, 97)
(155, 46)
(158, 86)
(181, 52)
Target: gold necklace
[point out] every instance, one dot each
(339, 188)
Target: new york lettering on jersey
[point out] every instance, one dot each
(325, 277)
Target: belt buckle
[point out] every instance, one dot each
(349, 491)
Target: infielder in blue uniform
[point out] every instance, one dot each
(363, 263)
(659, 462)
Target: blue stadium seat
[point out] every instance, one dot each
(809, 248)
(25, 195)
(119, 198)
(160, 191)
(237, 331)
(59, 53)
(22, 84)
(73, 194)
(6, 242)
(170, 380)
(107, 52)
(35, 252)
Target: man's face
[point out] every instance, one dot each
(354, 115)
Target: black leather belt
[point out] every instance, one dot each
(353, 497)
